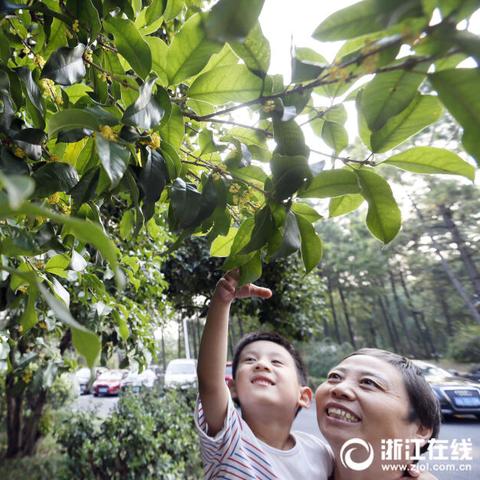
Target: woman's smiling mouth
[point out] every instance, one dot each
(341, 414)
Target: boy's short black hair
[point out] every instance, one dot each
(274, 338)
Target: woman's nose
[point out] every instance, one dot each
(343, 390)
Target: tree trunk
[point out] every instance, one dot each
(425, 337)
(180, 333)
(386, 318)
(465, 254)
(30, 431)
(347, 316)
(401, 314)
(449, 272)
(440, 294)
(334, 312)
(193, 330)
(14, 417)
(164, 353)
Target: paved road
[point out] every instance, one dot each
(464, 428)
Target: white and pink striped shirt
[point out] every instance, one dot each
(235, 453)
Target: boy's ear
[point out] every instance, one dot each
(305, 398)
(232, 388)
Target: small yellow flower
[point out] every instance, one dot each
(18, 152)
(234, 188)
(155, 141)
(39, 220)
(58, 100)
(20, 329)
(370, 63)
(54, 158)
(22, 289)
(46, 85)
(42, 325)
(27, 376)
(269, 106)
(108, 133)
(54, 198)
(66, 209)
(76, 26)
(40, 61)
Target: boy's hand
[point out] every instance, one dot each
(227, 291)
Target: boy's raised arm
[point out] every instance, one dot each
(212, 355)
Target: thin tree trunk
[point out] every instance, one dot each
(440, 294)
(14, 416)
(30, 431)
(425, 337)
(465, 254)
(193, 331)
(334, 312)
(401, 313)
(449, 272)
(347, 316)
(164, 353)
(386, 318)
(180, 330)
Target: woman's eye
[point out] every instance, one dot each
(369, 382)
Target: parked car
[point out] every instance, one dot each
(181, 372)
(108, 383)
(82, 377)
(474, 374)
(135, 381)
(457, 395)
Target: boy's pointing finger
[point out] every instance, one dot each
(260, 291)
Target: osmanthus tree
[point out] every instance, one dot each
(113, 110)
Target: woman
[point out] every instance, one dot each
(375, 409)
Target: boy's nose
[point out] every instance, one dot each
(262, 365)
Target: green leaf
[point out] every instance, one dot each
(289, 173)
(173, 131)
(365, 17)
(77, 263)
(290, 240)
(18, 187)
(153, 176)
(35, 102)
(307, 65)
(432, 160)
(231, 83)
(232, 20)
(306, 211)
(311, 246)
(189, 51)
(383, 217)
(422, 112)
(289, 138)
(54, 177)
(65, 66)
(127, 225)
(149, 109)
(331, 183)
(114, 158)
(251, 271)
(85, 189)
(130, 44)
(243, 235)
(345, 204)
(159, 51)
(71, 119)
(185, 204)
(84, 341)
(88, 17)
(254, 51)
(335, 136)
(387, 95)
(155, 10)
(57, 265)
(29, 316)
(457, 90)
(222, 245)
(262, 230)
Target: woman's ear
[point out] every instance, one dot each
(306, 396)
(423, 433)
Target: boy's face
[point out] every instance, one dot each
(267, 377)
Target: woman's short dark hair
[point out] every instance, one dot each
(275, 338)
(424, 405)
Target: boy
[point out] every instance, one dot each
(269, 384)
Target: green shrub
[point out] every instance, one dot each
(148, 436)
(51, 467)
(465, 347)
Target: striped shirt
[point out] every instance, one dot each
(235, 453)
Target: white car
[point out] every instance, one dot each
(181, 372)
(137, 381)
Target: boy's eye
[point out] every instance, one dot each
(277, 362)
(333, 376)
(249, 359)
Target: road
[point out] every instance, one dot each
(457, 429)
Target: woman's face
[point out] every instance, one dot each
(364, 397)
